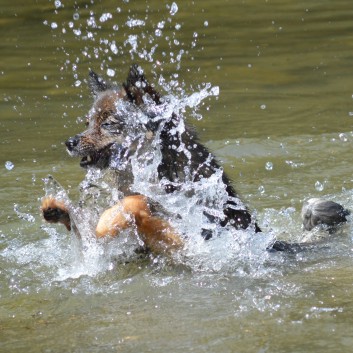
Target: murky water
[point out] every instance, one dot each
(281, 125)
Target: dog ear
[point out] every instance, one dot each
(136, 86)
(97, 84)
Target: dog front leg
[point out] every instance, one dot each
(55, 211)
(157, 234)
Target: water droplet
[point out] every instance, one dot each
(76, 16)
(57, 3)
(110, 72)
(261, 189)
(161, 24)
(269, 166)
(205, 23)
(173, 9)
(343, 137)
(105, 17)
(54, 25)
(9, 165)
(263, 106)
(77, 83)
(132, 40)
(114, 48)
(214, 91)
(319, 186)
(158, 32)
(135, 23)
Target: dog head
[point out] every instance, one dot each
(117, 122)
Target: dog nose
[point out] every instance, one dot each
(72, 142)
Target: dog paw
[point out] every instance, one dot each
(55, 211)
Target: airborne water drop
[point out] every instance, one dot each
(173, 9)
(9, 165)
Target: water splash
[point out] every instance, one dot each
(116, 35)
(100, 190)
(23, 215)
(106, 38)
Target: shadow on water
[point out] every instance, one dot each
(281, 127)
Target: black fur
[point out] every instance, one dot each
(114, 134)
(109, 128)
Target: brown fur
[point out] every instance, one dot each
(114, 133)
(157, 234)
(55, 211)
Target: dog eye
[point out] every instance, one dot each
(109, 124)
(106, 125)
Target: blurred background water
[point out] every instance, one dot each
(281, 125)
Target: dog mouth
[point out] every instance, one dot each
(88, 161)
(98, 159)
(112, 155)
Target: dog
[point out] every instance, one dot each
(132, 120)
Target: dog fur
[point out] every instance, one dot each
(114, 133)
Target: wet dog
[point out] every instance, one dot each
(123, 122)
(133, 121)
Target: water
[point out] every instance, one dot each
(271, 84)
